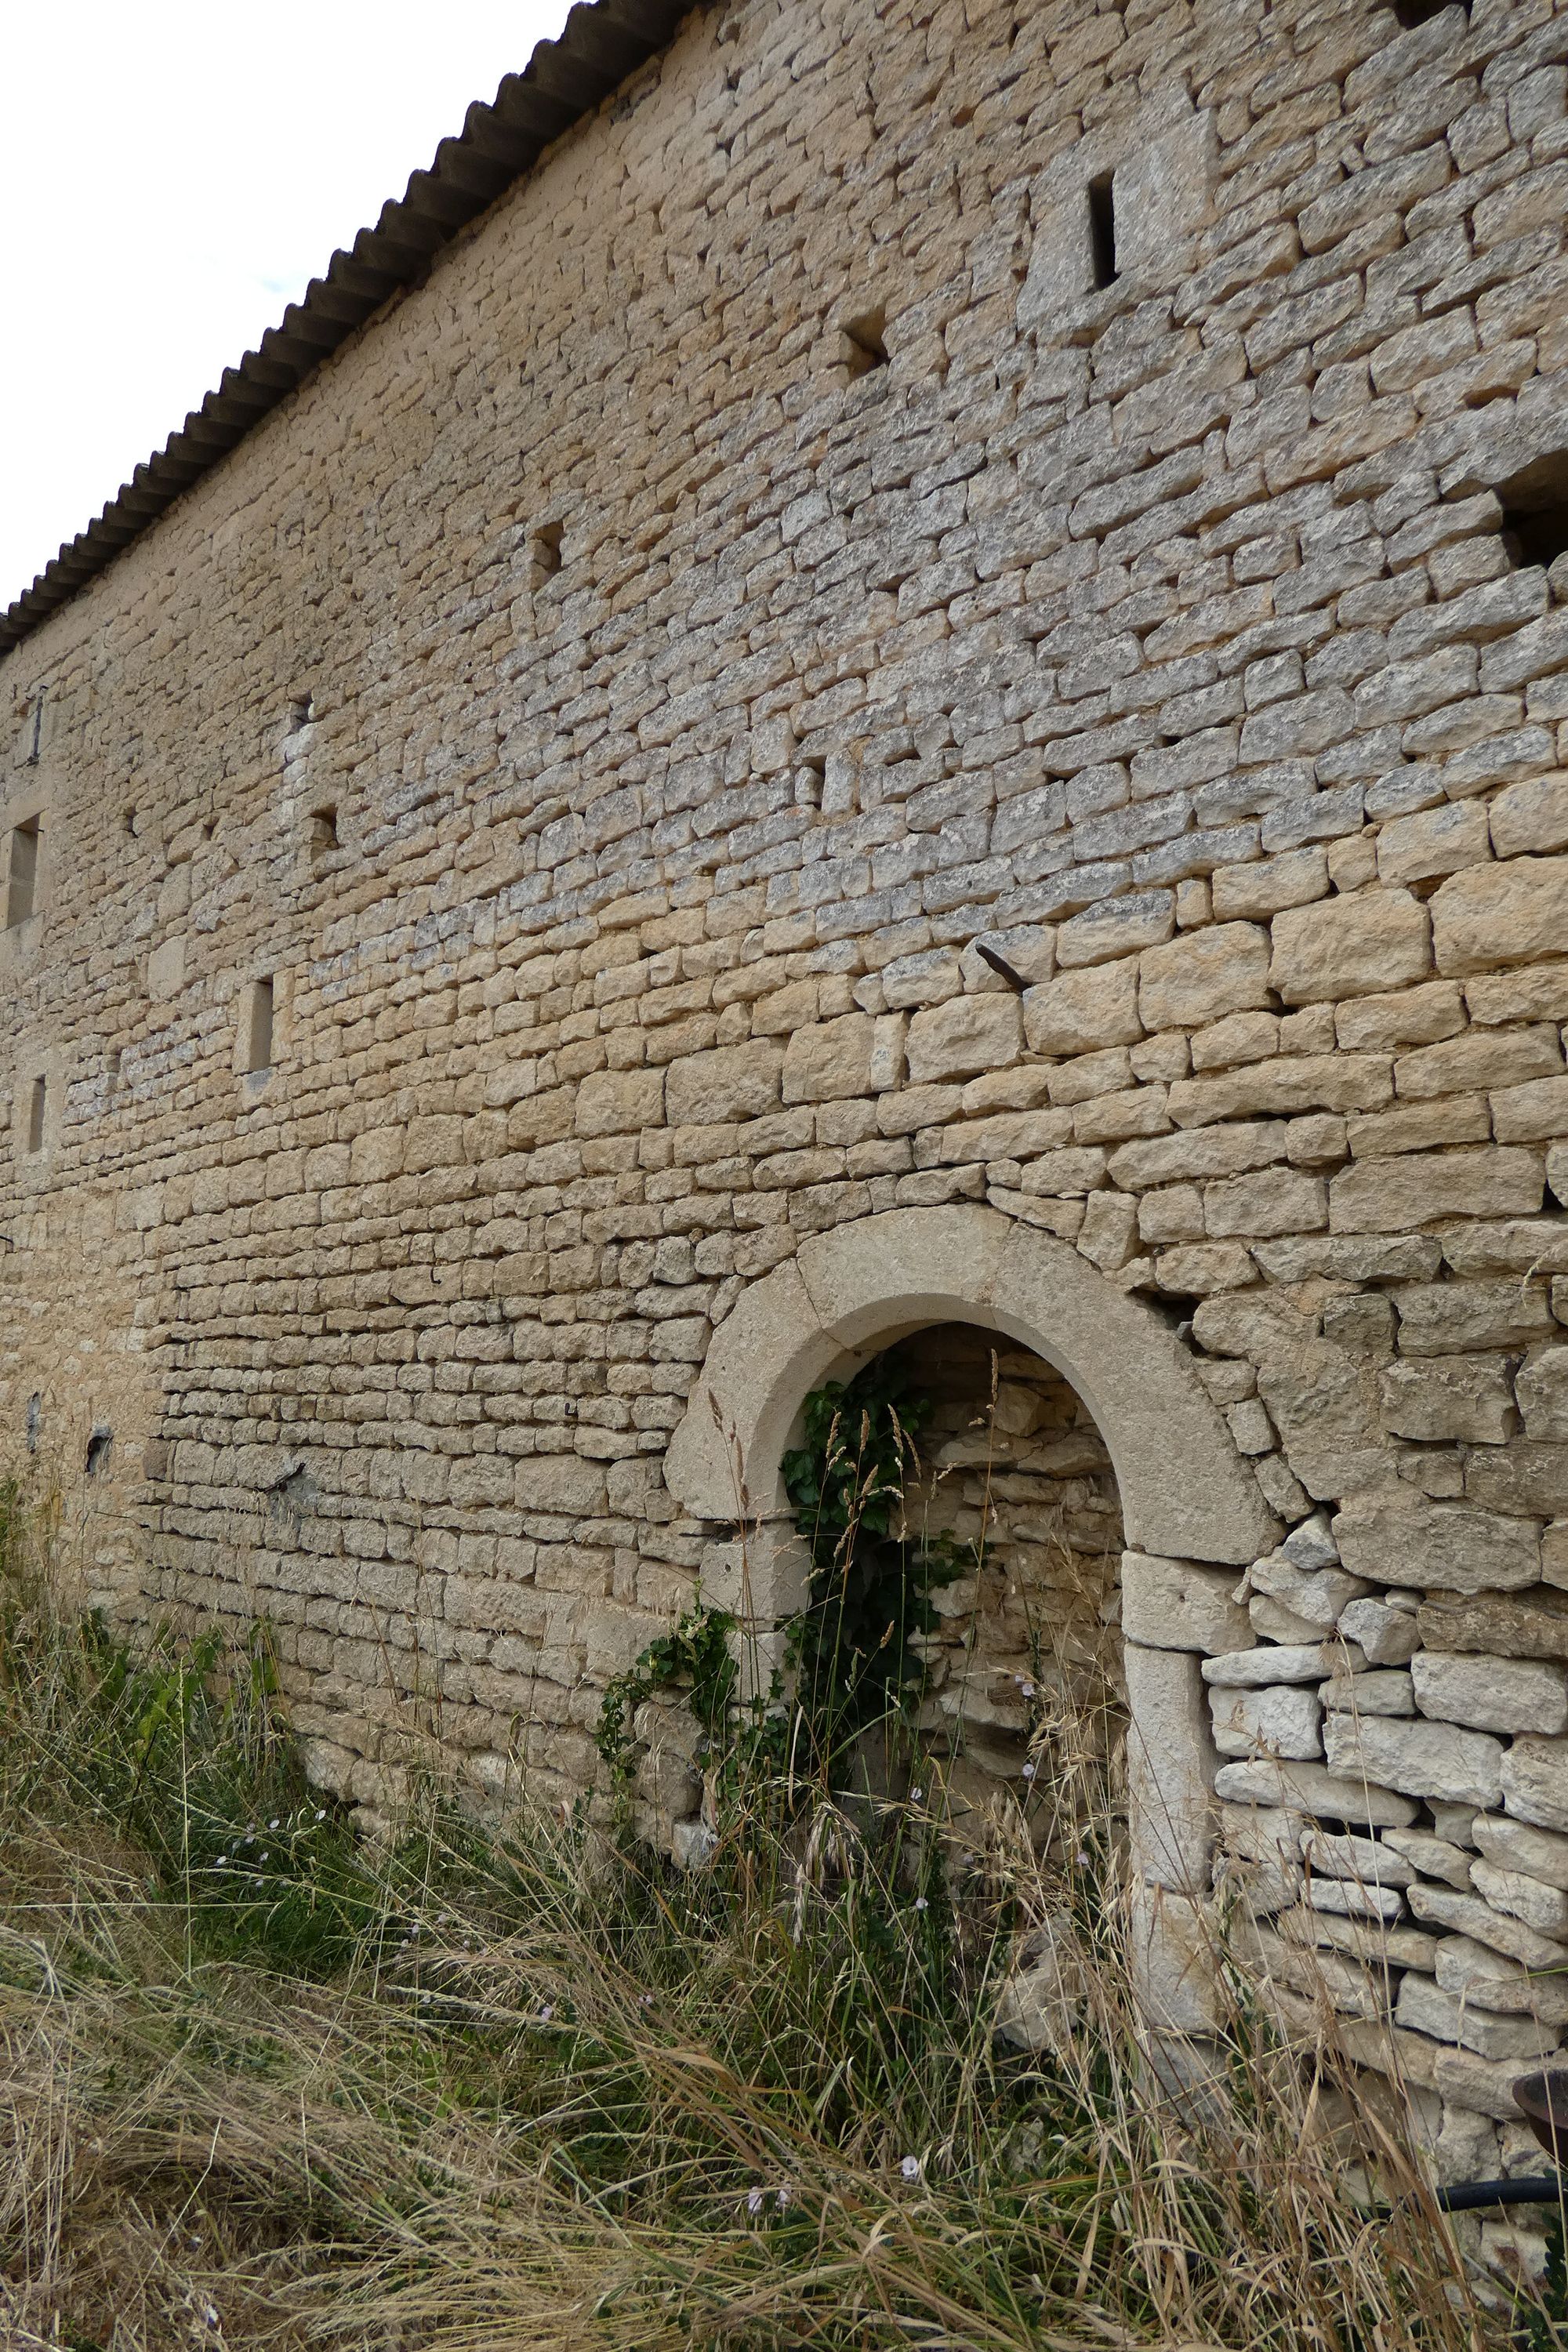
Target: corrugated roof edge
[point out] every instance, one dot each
(600, 44)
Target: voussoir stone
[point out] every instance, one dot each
(1178, 1604)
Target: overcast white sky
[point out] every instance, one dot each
(173, 172)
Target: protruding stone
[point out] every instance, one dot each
(1423, 1760)
(1490, 1694)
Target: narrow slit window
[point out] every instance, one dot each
(547, 551)
(865, 344)
(302, 712)
(38, 1105)
(1102, 260)
(22, 894)
(1408, 14)
(259, 1053)
(1535, 511)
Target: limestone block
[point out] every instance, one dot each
(1323, 1979)
(1272, 1621)
(1281, 1720)
(376, 1155)
(1529, 817)
(619, 1102)
(1484, 2084)
(1489, 1980)
(1175, 1604)
(1312, 1544)
(1266, 1663)
(1115, 927)
(1393, 1194)
(1535, 1628)
(1346, 1898)
(1440, 1318)
(1389, 1636)
(1431, 1857)
(1432, 843)
(1319, 1597)
(1452, 1399)
(1203, 976)
(1172, 1957)
(1062, 1175)
(1518, 1896)
(1541, 1387)
(1351, 946)
(1466, 1913)
(1535, 1782)
(1515, 1845)
(1170, 1768)
(1510, 912)
(1384, 1693)
(829, 1061)
(1313, 1788)
(1425, 2008)
(963, 1036)
(1274, 1201)
(1403, 1539)
(1083, 1011)
(1421, 1759)
(1261, 1833)
(729, 1082)
(1490, 1694)
(561, 1484)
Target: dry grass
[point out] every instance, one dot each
(526, 2090)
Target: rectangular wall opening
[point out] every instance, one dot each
(22, 888)
(1535, 510)
(1103, 231)
(323, 832)
(38, 1105)
(547, 551)
(258, 1033)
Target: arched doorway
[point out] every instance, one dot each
(1190, 1507)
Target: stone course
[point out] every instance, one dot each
(462, 993)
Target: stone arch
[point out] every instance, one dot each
(1186, 1491)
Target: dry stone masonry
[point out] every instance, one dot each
(923, 682)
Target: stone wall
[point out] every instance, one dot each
(600, 719)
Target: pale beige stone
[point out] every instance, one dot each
(1391, 1195)
(1401, 1538)
(1352, 946)
(1203, 977)
(1490, 1694)
(1170, 1769)
(1535, 1782)
(829, 1061)
(1508, 913)
(1422, 1759)
(1081, 1012)
(732, 1082)
(1175, 1604)
(619, 1102)
(1281, 1720)
(962, 1036)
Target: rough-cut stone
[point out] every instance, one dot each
(1421, 1759)
(965, 1034)
(1083, 1011)
(1170, 1769)
(1518, 1896)
(1431, 1857)
(1533, 1628)
(1514, 1845)
(1535, 1782)
(1382, 1196)
(1425, 2008)
(1175, 1604)
(1374, 1694)
(1310, 1788)
(1252, 1669)
(1203, 976)
(1450, 1399)
(1489, 1980)
(1281, 1721)
(1490, 1694)
(1317, 1598)
(1388, 1636)
(1406, 1539)
(1507, 913)
(1466, 1913)
(1351, 946)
